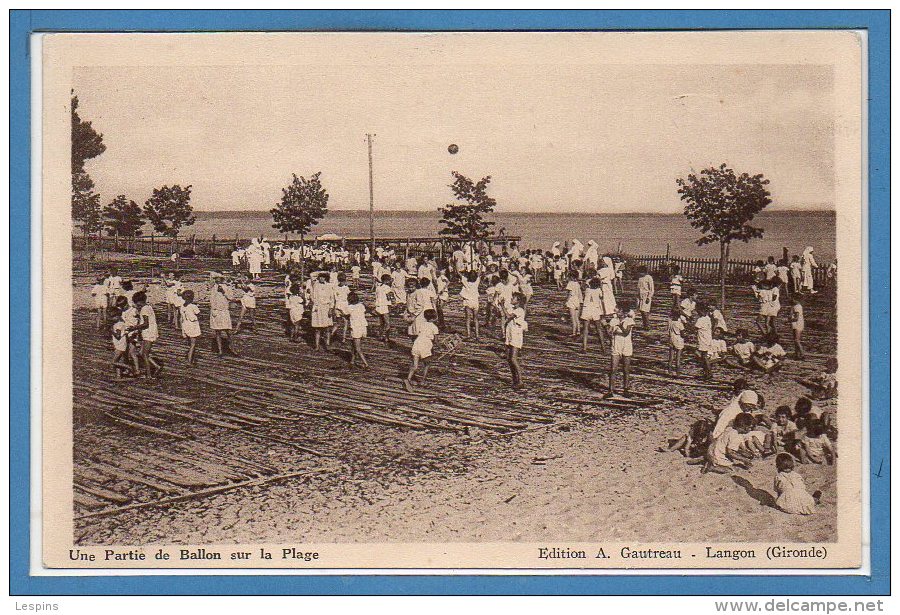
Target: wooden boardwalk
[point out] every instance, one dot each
(274, 412)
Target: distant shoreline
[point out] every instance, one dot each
(418, 213)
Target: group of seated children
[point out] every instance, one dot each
(766, 356)
(742, 433)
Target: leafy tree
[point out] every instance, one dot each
(721, 204)
(169, 208)
(123, 218)
(87, 143)
(86, 204)
(303, 203)
(465, 219)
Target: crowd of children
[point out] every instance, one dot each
(495, 293)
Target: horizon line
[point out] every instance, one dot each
(519, 211)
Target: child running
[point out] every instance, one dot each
(149, 333)
(383, 306)
(421, 348)
(120, 346)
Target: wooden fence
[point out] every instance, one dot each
(703, 270)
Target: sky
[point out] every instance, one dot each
(554, 137)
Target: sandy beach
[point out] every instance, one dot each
(499, 465)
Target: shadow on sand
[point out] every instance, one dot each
(760, 495)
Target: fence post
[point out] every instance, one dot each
(153, 245)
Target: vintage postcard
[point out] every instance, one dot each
(508, 301)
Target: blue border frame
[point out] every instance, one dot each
(23, 23)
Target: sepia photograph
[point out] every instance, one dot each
(452, 300)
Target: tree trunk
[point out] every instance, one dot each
(302, 256)
(724, 248)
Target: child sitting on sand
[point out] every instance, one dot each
(825, 384)
(728, 450)
(769, 355)
(783, 431)
(815, 447)
(792, 495)
(743, 349)
(695, 442)
(719, 347)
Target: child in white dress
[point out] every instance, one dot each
(592, 314)
(120, 347)
(646, 290)
(620, 328)
(220, 298)
(422, 347)
(574, 301)
(190, 323)
(296, 306)
(149, 333)
(101, 301)
(704, 338)
(470, 298)
(341, 306)
(383, 305)
(248, 304)
(514, 337)
(676, 338)
(793, 498)
(798, 324)
(323, 301)
(359, 327)
(675, 283)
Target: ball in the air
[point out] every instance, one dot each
(453, 148)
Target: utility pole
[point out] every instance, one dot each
(371, 199)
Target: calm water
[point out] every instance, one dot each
(637, 233)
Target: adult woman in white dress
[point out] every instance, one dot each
(809, 263)
(592, 255)
(254, 259)
(607, 274)
(575, 251)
